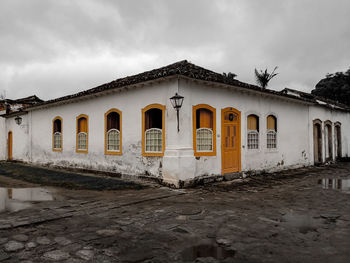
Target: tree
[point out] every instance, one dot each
(334, 86)
(230, 75)
(263, 77)
(3, 95)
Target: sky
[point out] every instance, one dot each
(54, 48)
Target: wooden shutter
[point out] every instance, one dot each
(271, 123)
(252, 122)
(82, 125)
(57, 126)
(205, 119)
(113, 121)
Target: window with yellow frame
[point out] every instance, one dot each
(113, 132)
(153, 130)
(57, 134)
(204, 130)
(271, 132)
(82, 139)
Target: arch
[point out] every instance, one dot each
(151, 118)
(117, 137)
(328, 135)
(317, 121)
(337, 140)
(271, 132)
(271, 123)
(317, 134)
(327, 122)
(57, 134)
(253, 122)
(252, 132)
(82, 133)
(230, 140)
(204, 116)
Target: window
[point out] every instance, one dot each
(113, 136)
(328, 140)
(204, 130)
(57, 134)
(82, 134)
(271, 133)
(338, 142)
(253, 131)
(153, 131)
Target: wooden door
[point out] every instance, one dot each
(230, 140)
(9, 146)
(317, 142)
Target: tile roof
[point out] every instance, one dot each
(181, 68)
(317, 99)
(27, 100)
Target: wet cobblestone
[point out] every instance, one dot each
(279, 217)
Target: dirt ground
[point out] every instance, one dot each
(61, 178)
(283, 217)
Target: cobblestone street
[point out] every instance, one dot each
(291, 216)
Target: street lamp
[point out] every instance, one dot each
(18, 120)
(176, 101)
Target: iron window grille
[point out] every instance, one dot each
(154, 140)
(253, 139)
(204, 140)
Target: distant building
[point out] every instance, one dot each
(129, 126)
(8, 106)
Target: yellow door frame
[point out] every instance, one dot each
(223, 111)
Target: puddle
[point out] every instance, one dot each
(15, 199)
(303, 222)
(342, 185)
(205, 251)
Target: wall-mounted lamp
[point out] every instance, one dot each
(18, 120)
(176, 101)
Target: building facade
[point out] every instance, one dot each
(129, 127)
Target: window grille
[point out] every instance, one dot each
(271, 139)
(82, 141)
(57, 140)
(113, 140)
(154, 140)
(253, 139)
(204, 140)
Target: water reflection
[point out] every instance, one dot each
(337, 184)
(14, 199)
(207, 250)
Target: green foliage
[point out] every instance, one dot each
(230, 75)
(334, 86)
(263, 77)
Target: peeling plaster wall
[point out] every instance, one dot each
(20, 138)
(33, 143)
(129, 103)
(292, 125)
(3, 139)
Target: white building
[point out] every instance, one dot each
(129, 126)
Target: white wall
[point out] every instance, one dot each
(3, 139)
(324, 114)
(20, 138)
(294, 132)
(292, 135)
(130, 103)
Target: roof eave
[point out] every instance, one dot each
(98, 94)
(13, 114)
(252, 91)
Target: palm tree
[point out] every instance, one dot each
(263, 77)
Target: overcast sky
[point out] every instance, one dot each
(53, 48)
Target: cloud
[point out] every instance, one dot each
(53, 48)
